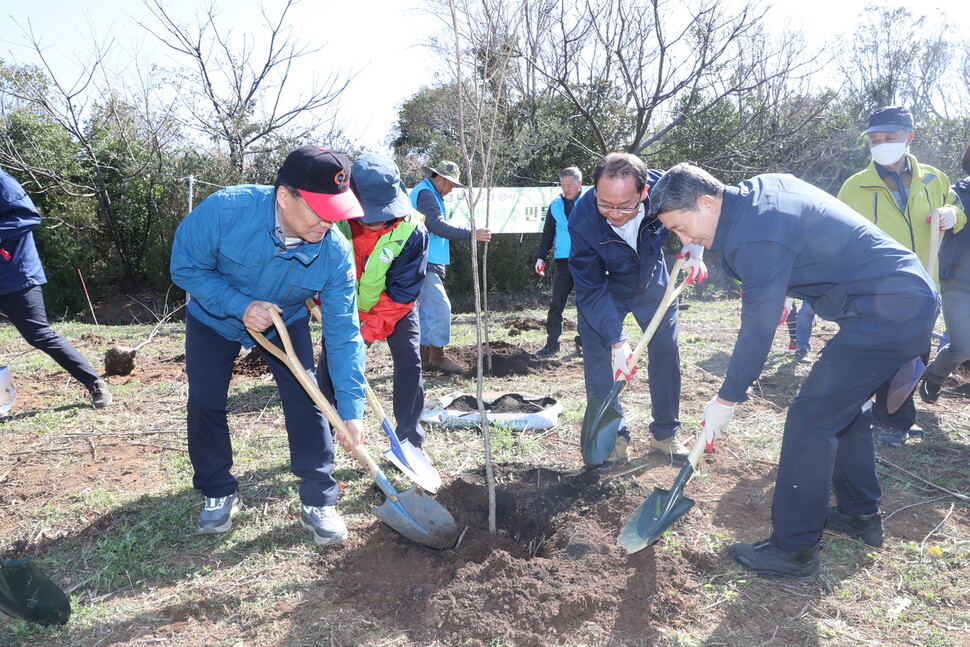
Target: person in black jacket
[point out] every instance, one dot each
(555, 232)
(782, 237)
(21, 295)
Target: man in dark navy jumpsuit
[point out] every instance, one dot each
(782, 237)
(616, 259)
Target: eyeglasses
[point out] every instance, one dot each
(623, 211)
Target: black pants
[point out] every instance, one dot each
(562, 285)
(27, 313)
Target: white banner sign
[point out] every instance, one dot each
(519, 210)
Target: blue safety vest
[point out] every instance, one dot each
(439, 252)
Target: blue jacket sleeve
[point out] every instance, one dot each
(341, 334)
(406, 274)
(193, 264)
(434, 219)
(764, 269)
(593, 297)
(18, 215)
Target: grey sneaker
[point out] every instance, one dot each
(217, 514)
(100, 395)
(325, 524)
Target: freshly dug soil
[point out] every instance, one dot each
(507, 359)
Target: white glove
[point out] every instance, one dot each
(541, 268)
(789, 304)
(621, 362)
(694, 254)
(948, 218)
(716, 417)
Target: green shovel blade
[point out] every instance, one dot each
(601, 426)
(26, 593)
(658, 513)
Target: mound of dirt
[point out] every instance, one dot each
(551, 570)
(507, 359)
(252, 363)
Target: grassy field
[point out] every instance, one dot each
(104, 500)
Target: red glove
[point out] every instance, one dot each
(5, 255)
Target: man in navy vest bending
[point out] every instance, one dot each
(782, 237)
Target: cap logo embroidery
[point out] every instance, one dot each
(340, 179)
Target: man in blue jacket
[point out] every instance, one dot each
(249, 248)
(618, 267)
(21, 294)
(782, 237)
(555, 233)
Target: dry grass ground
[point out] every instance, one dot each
(104, 500)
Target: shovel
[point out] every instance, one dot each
(412, 513)
(28, 594)
(601, 422)
(662, 508)
(405, 456)
(408, 458)
(907, 377)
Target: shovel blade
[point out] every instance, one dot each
(415, 465)
(904, 383)
(654, 516)
(28, 594)
(601, 426)
(419, 518)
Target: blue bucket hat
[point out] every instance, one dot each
(377, 183)
(889, 120)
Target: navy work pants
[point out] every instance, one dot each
(663, 360)
(209, 359)
(562, 285)
(26, 312)
(828, 441)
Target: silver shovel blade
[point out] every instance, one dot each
(418, 467)
(419, 518)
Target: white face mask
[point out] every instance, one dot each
(888, 154)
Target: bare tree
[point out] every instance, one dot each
(236, 93)
(111, 137)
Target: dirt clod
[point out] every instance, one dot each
(119, 360)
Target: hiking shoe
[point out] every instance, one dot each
(892, 437)
(100, 395)
(670, 447)
(619, 456)
(864, 527)
(929, 392)
(579, 345)
(548, 350)
(217, 514)
(767, 560)
(801, 356)
(325, 524)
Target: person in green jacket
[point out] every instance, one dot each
(900, 195)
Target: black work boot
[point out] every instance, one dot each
(864, 527)
(550, 349)
(766, 559)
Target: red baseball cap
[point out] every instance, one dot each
(322, 177)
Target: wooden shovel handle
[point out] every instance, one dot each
(375, 404)
(671, 293)
(293, 363)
